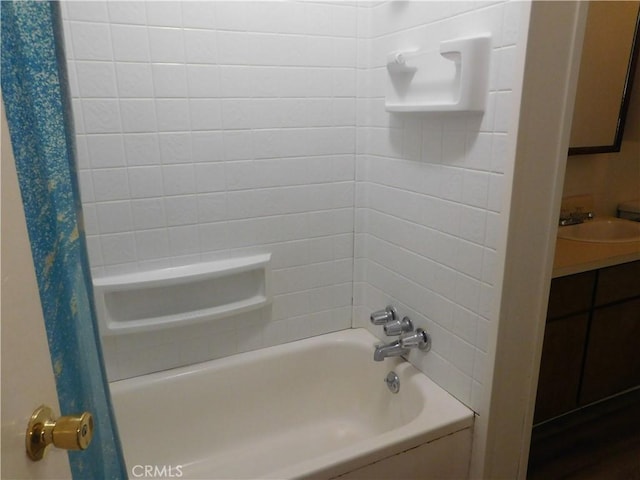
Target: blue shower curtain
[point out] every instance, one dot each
(37, 104)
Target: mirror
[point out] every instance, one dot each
(609, 58)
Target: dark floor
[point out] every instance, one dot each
(601, 442)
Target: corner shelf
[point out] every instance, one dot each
(453, 78)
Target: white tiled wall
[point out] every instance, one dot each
(210, 129)
(215, 129)
(430, 190)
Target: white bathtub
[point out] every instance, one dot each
(316, 408)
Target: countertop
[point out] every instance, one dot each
(575, 257)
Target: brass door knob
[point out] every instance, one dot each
(73, 432)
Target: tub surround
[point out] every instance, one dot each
(278, 141)
(215, 130)
(430, 203)
(323, 410)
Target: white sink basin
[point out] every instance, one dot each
(602, 230)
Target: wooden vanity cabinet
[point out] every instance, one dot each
(612, 363)
(570, 301)
(620, 282)
(571, 294)
(591, 346)
(561, 366)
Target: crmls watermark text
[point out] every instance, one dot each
(156, 471)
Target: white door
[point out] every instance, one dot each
(26, 371)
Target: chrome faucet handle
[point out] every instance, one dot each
(384, 316)
(419, 339)
(574, 218)
(398, 327)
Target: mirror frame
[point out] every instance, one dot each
(624, 105)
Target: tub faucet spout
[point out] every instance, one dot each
(393, 349)
(418, 339)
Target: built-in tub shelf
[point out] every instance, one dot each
(181, 296)
(451, 78)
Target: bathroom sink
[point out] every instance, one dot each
(602, 230)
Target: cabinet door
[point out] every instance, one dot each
(571, 295)
(613, 353)
(619, 282)
(562, 354)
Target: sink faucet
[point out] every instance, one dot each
(574, 218)
(420, 339)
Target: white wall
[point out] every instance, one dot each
(430, 202)
(543, 125)
(611, 178)
(215, 129)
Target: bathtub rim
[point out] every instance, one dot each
(454, 418)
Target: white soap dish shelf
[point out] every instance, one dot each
(180, 296)
(452, 78)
